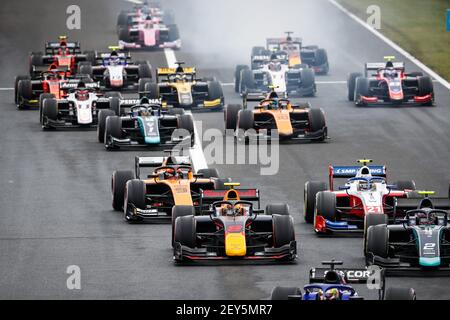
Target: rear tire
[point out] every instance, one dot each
(186, 122)
(237, 77)
(142, 82)
(124, 34)
(151, 90)
(119, 180)
(24, 91)
(174, 33)
(16, 86)
(247, 80)
(209, 173)
(406, 185)
(309, 198)
(308, 80)
(144, 70)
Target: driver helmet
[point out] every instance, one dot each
(426, 218)
(82, 95)
(180, 77)
(332, 294)
(62, 50)
(274, 66)
(390, 72)
(226, 209)
(114, 59)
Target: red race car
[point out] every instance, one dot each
(346, 210)
(390, 84)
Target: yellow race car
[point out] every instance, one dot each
(179, 87)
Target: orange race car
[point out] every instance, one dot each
(292, 121)
(150, 197)
(233, 227)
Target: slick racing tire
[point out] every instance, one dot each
(186, 122)
(326, 205)
(122, 19)
(24, 91)
(86, 69)
(113, 94)
(283, 230)
(231, 115)
(16, 86)
(134, 194)
(36, 60)
(141, 86)
(400, 294)
(114, 105)
(317, 121)
(322, 60)
(361, 89)
(144, 70)
(214, 90)
(425, 87)
(180, 211)
(406, 185)
(377, 241)
(351, 83)
(42, 98)
(373, 219)
(237, 77)
(309, 198)
(175, 111)
(209, 173)
(124, 34)
(219, 184)
(185, 231)
(102, 115)
(90, 56)
(113, 128)
(247, 80)
(283, 293)
(308, 80)
(257, 51)
(118, 182)
(281, 209)
(151, 90)
(49, 110)
(246, 119)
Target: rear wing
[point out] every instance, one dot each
(155, 162)
(50, 46)
(374, 66)
(277, 41)
(169, 71)
(207, 197)
(74, 85)
(350, 275)
(406, 204)
(351, 171)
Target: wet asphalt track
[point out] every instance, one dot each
(55, 201)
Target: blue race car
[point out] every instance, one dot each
(333, 284)
(147, 124)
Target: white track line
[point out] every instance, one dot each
(393, 45)
(134, 1)
(196, 152)
(6, 89)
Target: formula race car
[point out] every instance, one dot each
(292, 121)
(151, 197)
(147, 124)
(233, 229)
(65, 55)
(298, 55)
(115, 70)
(147, 27)
(179, 87)
(366, 196)
(390, 85)
(79, 107)
(275, 71)
(419, 239)
(52, 83)
(331, 283)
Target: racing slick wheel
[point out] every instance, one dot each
(283, 293)
(231, 115)
(185, 231)
(151, 90)
(113, 128)
(209, 173)
(309, 198)
(377, 241)
(102, 115)
(326, 205)
(36, 60)
(277, 208)
(425, 87)
(180, 211)
(317, 122)
(370, 220)
(144, 70)
(247, 81)
(124, 35)
(24, 92)
(283, 230)
(237, 77)
(118, 182)
(186, 122)
(351, 83)
(49, 112)
(42, 98)
(308, 81)
(134, 196)
(406, 185)
(361, 89)
(400, 294)
(215, 90)
(16, 86)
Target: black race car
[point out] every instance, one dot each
(418, 241)
(146, 124)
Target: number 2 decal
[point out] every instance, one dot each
(374, 209)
